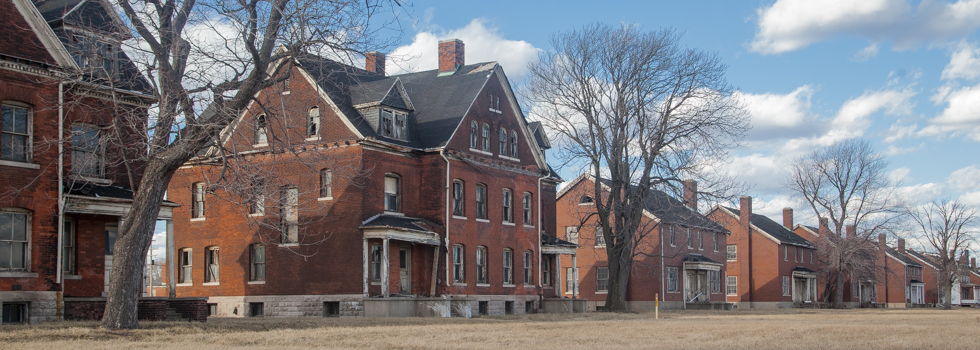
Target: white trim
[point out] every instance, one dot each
(483, 220)
(508, 158)
(459, 284)
(505, 223)
(323, 199)
(459, 217)
(483, 284)
(17, 274)
(505, 285)
(481, 151)
(256, 282)
(16, 164)
(199, 219)
(44, 32)
(211, 284)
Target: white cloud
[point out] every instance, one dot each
(964, 63)
(923, 193)
(789, 25)
(899, 175)
(897, 132)
(961, 115)
(971, 199)
(893, 150)
(483, 44)
(772, 112)
(765, 171)
(965, 179)
(867, 53)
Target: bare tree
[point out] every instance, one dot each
(847, 183)
(215, 53)
(948, 227)
(641, 113)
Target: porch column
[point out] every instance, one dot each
(171, 261)
(385, 278)
(558, 280)
(574, 278)
(792, 286)
(367, 257)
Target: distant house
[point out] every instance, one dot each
(681, 256)
(902, 280)
(769, 265)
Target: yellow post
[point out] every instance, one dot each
(656, 306)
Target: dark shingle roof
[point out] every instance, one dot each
(102, 191)
(921, 257)
(397, 221)
(803, 269)
(547, 239)
(774, 229)
(89, 14)
(699, 258)
(901, 257)
(440, 102)
(672, 211)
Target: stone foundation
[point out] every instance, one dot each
(288, 305)
(42, 306)
(149, 309)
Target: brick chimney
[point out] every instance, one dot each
(745, 212)
(850, 231)
(788, 218)
(374, 62)
(881, 240)
(823, 230)
(901, 246)
(451, 56)
(973, 263)
(691, 194)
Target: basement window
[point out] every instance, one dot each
(14, 313)
(256, 309)
(484, 308)
(509, 307)
(331, 309)
(529, 307)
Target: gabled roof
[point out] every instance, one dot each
(773, 229)
(922, 258)
(901, 257)
(661, 206)
(547, 239)
(440, 103)
(698, 258)
(399, 222)
(87, 13)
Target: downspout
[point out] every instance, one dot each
(61, 196)
(442, 152)
(663, 270)
(540, 225)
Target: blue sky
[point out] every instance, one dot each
(903, 74)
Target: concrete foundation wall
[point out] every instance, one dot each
(287, 305)
(42, 306)
(564, 305)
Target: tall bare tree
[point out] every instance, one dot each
(847, 183)
(216, 53)
(948, 227)
(641, 112)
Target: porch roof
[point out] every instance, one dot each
(801, 271)
(112, 200)
(700, 262)
(401, 228)
(554, 245)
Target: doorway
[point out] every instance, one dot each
(696, 284)
(405, 270)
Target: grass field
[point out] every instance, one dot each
(778, 329)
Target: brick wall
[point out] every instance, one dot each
(148, 309)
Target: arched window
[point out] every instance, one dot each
(508, 265)
(503, 142)
(326, 183)
(458, 271)
(586, 199)
(261, 130)
(481, 264)
(313, 122)
(474, 135)
(508, 205)
(486, 137)
(458, 198)
(513, 144)
(481, 201)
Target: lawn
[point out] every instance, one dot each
(750, 329)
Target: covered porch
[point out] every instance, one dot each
(552, 250)
(412, 243)
(702, 278)
(804, 285)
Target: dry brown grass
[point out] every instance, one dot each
(779, 329)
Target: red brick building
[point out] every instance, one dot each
(680, 255)
(359, 193)
(65, 180)
(769, 265)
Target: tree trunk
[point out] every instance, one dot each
(132, 244)
(619, 274)
(949, 294)
(839, 290)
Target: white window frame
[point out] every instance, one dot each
(528, 216)
(673, 279)
(571, 234)
(260, 136)
(787, 286)
(474, 135)
(211, 267)
(12, 241)
(198, 193)
(507, 207)
(481, 265)
(459, 198)
(715, 235)
(546, 272)
(731, 252)
(459, 267)
(503, 142)
(313, 123)
(600, 238)
(257, 262)
(185, 259)
(700, 240)
(690, 239)
(513, 144)
(393, 193)
(486, 138)
(28, 133)
(376, 260)
(671, 238)
(714, 280)
(256, 204)
(326, 184)
(481, 201)
(731, 288)
(508, 267)
(528, 267)
(602, 279)
(289, 214)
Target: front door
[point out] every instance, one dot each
(703, 286)
(404, 270)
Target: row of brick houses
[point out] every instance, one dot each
(353, 192)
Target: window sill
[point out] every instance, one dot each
(285, 93)
(496, 111)
(251, 215)
(508, 285)
(457, 284)
(480, 151)
(600, 246)
(211, 284)
(198, 219)
(90, 179)
(324, 199)
(375, 283)
(674, 291)
(18, 274)
(482, 284)
(260, 145)
(256, 282)
(528, 226)
(547, 287)
(185, 284)
(598, 292)
(395, 213)
(288, 245)
(508, 158)
(459, 217)
(313, 138)
(586, 204)
(531, 286)
(72, 277)
(483, 220)
(17, 164)
(508, 223)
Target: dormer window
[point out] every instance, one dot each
(494, 102)
(95, 56)
(394, 124)
(261, 131)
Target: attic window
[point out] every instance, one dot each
(313, 123)
(494, 102)
(96, 57)
(394, 124)
(586, 200)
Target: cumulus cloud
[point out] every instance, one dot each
(923, 193)
(965, 179)
(961, 116)
(779, 116)
(483, 44)
(789, 25)
(964, 63)
(972, 199)
(765, 171)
